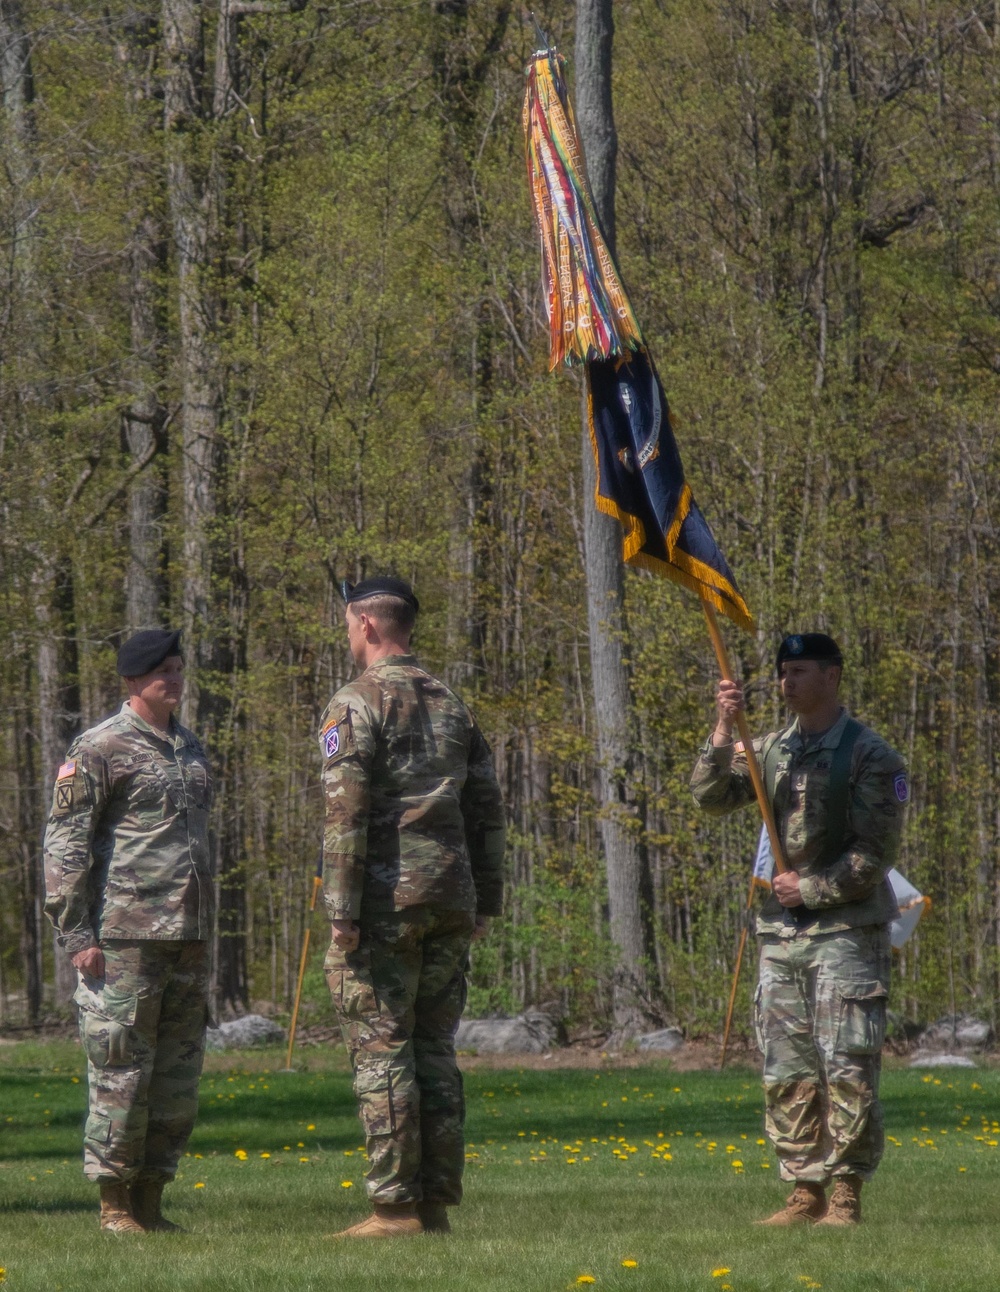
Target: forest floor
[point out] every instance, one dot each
(641, 1178)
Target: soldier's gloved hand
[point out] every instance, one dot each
(346, 935)
(482, 927)
(89, 962)
(786, 888)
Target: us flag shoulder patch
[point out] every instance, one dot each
(66, 771)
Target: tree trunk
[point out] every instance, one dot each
(629, 888)
(195, 180)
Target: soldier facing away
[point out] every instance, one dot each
(129, 889)
(837, 790)
(412, 859)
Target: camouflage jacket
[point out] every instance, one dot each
(126, 846)
(852, 890)
(414, 815)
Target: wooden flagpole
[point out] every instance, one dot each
(317, 885)
(780, 864)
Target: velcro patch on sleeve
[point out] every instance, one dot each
(330, 738)
(67, 771)
(902, 787)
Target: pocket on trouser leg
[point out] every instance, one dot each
(861, 1023)
(389, 1112)
(107, 1042)
(373, 1088)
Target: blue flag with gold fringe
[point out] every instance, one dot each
(640, 479)
(640, 476)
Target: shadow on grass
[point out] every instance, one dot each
(54, 1207)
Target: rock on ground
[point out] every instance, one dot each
(245, 1033)
(941, 1061)
(529, 1033)
(665, 1040)
(957, 1032)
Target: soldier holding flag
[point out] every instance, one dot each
(837, 790)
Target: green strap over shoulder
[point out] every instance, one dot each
(840, 776)
(836, 808)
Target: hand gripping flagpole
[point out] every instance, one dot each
(317, 885)
(780, 864)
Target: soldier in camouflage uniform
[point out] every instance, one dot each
(837, 790)
(413, 854)
(130, 891)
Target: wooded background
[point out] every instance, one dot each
(271, 315)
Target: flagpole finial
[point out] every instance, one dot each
(542, 45)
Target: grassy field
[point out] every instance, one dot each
(640, 1179)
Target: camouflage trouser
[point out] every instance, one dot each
(820, 1019)
(399, 998)
(143, 1030)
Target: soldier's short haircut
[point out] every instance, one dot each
(395, 614)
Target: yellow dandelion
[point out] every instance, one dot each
(586, 1278)
(303, 1159)
(347, 1184)
(310, 1126)
(241, 1153)
(721, 1272)
(736, 1162)
(630, 1265)
(3, 1274)
(200, 1184)
(265, 1155)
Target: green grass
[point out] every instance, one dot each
(533, 1218)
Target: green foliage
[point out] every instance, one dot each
(807, 221)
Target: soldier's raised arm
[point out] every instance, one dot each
(720, 781)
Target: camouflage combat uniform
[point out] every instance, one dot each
(127, 868)
(824, 972)
(413, 850)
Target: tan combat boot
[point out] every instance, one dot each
(146, 1197)
(845, 1202)
(804, 1206)
(396, 1220)
(116, 1209)
(434, 1217)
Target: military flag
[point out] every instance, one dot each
(640, 476)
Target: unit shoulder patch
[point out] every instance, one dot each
(902, 787)
(330, 738)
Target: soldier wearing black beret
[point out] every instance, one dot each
(129, 888)
(837, 791)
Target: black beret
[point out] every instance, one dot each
(144, 651)
(809, 646)
(382, 586)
